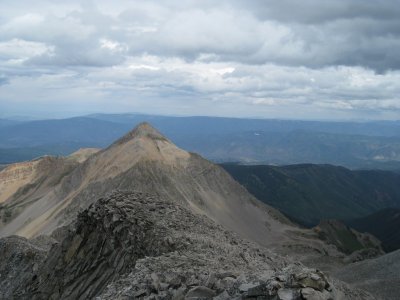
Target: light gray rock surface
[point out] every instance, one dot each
(380, 276)
(137, 246)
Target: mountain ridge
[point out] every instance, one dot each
(138, 148)
(143, 129)
(122, 247)
(146, 164)
(82, 217)
(358, 145)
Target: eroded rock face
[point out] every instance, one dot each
(108, 239)
(22, 184)
(19, 262)
(189, 282)
(137, 246)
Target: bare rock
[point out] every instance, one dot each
(223, 296)
(311, 294)
(120, 248)
(200, 292)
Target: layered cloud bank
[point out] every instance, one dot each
(314, 59)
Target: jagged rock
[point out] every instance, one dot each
(287, 294)
(246, 286)
(315, 280)
(130, 256)
(19, 262)
(311, 294)
(269, 290)
(223, 296)
(363, 254)
(227, 282)
(200, 292)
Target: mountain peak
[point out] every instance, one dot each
(142, 130)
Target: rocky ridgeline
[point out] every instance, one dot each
(136, 246)
(177, 277)
(23, 170)
(18, 171)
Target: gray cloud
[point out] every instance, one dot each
(262, 57)
(310, 33)
(318, 12)
(3, 80)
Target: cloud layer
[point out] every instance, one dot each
(308, 59)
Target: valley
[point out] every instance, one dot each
(308, 193)
(383, 224)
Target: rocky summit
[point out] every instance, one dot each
(144, 219)
(132, 245)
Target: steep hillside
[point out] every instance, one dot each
(83, 154)
(308, 193)
(123, 247)
(21, 154)
(380, 276)
(22, 182)
(16, 176)
(384, 224)
(145, 161)
(348, 240)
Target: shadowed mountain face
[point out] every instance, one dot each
(383, 224)
(308, 193)
(349, 240)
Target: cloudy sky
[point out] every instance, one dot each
(309, 59)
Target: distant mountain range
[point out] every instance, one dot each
(308, 193)
(251, 141)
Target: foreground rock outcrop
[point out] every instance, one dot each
(137, 246)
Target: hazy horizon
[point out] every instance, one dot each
(52, 116)
(333, 60)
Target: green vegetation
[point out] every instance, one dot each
(384, 225)
(308, 193)
(348, 241)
